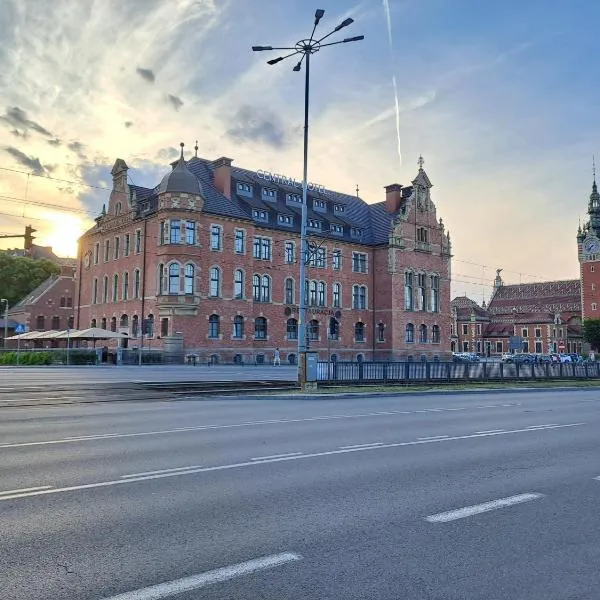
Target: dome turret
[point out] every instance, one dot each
(180, 179)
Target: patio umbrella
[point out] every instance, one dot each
(94, 333)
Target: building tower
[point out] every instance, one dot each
(588, 251)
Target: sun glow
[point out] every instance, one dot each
(62, 234)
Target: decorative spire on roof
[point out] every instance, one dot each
(196, 149)
(182, 145)
(594, 203)
(357, 190)
(421, 162)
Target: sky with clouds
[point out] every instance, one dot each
(499, 97)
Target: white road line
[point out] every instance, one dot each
(161, 471)
(433, 437)
(362, 445)
(108, 436)
(31, 489)
(101, 484)
(469, 511)
(277, 456)
(490, 431)
(545, 425)
(194, 582)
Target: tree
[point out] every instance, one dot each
(20, 275)
(591, 332)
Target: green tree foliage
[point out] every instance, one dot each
(20, 275)
(591, 332)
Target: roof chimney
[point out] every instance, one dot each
(222, 175)
(393, 197)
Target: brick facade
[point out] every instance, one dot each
(192, 238)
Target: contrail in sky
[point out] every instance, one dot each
(388, 18)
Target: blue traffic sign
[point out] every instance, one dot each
(21, 328)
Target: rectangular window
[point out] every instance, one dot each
(289, 291)
(190, 232)
(95, 291)
(106, 250)
(269, 194)
(290, 252)
(525, 346)
(465, 346)
(136, 281)
(336, 260)
(499, 347)
(592, 269)
(115, 288)
(127, 248)
(465, 329)
(336, 295)
(238, 284)
(240, 241)
(244, 189)
(538, 332)
(96, 252)
(105, 290)
(315, 224)
(478, 328)
(138, 241)
(408, 291)
(359, 297)
(175, 231)
(538, 347)
(293, 198)
(421, 292)
(593, 287)
(260, 215)
(359, 262)
(356, 233)
(126, 286)
(216, 234)
(238, 327)
(285, 219)
(319, 204)
(55, 323)
(594, 306)
(318, 258)
(524, 332)
(261, 248)
(335, 228)
(117, 247)
(338, 208)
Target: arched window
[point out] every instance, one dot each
(265, 289)
(40, 322)
(292, 329)
(423, 334)
(136, 283)
(408, 291)
(115, 290)
(410, 333)
(334, 328)
(174, 278)
(421, 304)
(435, 334)
(313, 330)
(256, 288)
(238, 284)
(118, 207)
(105, 289)
(260, 328)
(359, 332)
(435, 294)
(135, 324)
(126, 286)
(214, 326)
(93, 323)
(95, 291)
(149, 329)
(337, 295)
(321, 293)
(380, 332)
(289, 291)
(238, 326)
(113, 324)
(188, 280)
(215, 282)
(312, 290)
(103, 323)
(124, 322)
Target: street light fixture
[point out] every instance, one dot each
(305, 48)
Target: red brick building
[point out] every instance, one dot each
(546, 315)
(207, 262)
(588, 252)
(50, 306)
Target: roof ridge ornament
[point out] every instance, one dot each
(196, 149)
(182, 145)
(421, 162)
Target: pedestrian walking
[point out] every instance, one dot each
(276, 358)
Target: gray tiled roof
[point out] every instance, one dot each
(372, 220)
(34, 295)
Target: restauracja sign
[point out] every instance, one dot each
(284, 179)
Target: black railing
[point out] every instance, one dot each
(437, 372)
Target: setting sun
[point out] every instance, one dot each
(62, 234)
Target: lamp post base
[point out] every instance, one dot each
(302, 370)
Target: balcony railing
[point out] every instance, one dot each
(423, 246)
(177, 299)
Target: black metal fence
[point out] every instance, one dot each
(438, 372)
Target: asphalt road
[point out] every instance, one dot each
(482, 496)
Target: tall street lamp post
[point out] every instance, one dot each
(305, 48)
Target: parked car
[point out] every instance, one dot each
(521, 358)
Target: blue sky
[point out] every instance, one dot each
(499, 97)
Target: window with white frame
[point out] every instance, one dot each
(312, 293)
(174, 278)
(240, 241)
(127, 245)
(117, 248)
(285, 219)
(336, 295)
(175, 231)
(594, 306)
(136, 283)
(238, 284)
(95, 291)
(238, 326)
(538, 332)
(335, 228)
(290, 252)
(244, 189)
(214, 326)
(499, 347)
(260, 215)
(435, 334)
(408, 290)
(359, 332)
(115, 290)
(188, 279)
(359, 262)
(106, 250)
(260, 328)
(269, 194)
(339, 208)
(293, 198)
(421, 292)
(289, 291)
(319, 204)
(261, 288)
(261, 248)
(215, 282)
(478, 328)
(216, 237)
(359, 297)
(317, 258)
(126, 285)
(312, 330)
(315, 224)
(356, 232)
(96, 252)
(321, 293)
(336, 259)
(138, 241)
(434, 293)
(190, 232)
(465, 329)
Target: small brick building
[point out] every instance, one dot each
(206, 262)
